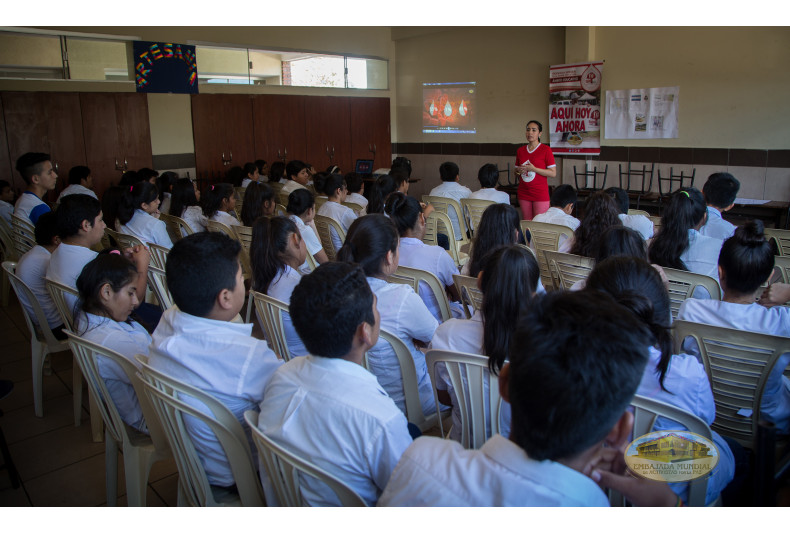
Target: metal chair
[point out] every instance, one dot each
(674, 181)
(177, 227)
(567, 269)
(470, 294)
(545, 236)
(587, 174)
(270, 317)
(473, 210)
(643, 181)
(414, 277)
(285, 469)
(682, 285)
(323, 225)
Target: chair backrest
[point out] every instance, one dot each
(470, 377)
(123, 240)
(587, 174)
(545, 236)
(738, 364)
(444, 205)
(656, 223)
(7, 241)
(42, 332)
(674, 181)
(219, 227)
(414, 276)
(355, 207)
(782, 239)
(285, 470)
(311, 262)
(638, 212)
(167, 396)
(59, 291)
(270, 317)
(473, 211)
(158, 255)
(438, 222)
(177, 227)
(469, 293)
(280, 210)
(157, 281)
(319, 201)
(23, 234)
(568, 268)
(276, 186)
(642, 179)
(782, 264)
(243, 234)
(682, 285)
(322, 224)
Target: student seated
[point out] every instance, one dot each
(196, 341)
(508, 281)
(6, 199)
(80, 182)
(263, 169)
(746, 262)
(277, 173)
(276, 253)
(334, 187)
(373, 243)
(219, 204)
(298, 176)
(563, 200)
(488, 176)
(383, 187)
(407, 214)
(40, 177)
(640, 223)
(108, 296)
(576, 360)
(138, 215)
(600, 213)
(259, 201)
(361, 432)
(251, 174)
(301, 211)
(165, 183)
(720, 192)
(185, 204)
(356, 188)
(676, 379)
(450, 188)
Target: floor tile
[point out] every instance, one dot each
(11, 497)
(53, 450)
(162, 469)
(23, 393)
(167, 489)
(22, 424)
(15, 351)
(78, 484)
(152, 499)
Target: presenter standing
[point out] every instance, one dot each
(534, 164)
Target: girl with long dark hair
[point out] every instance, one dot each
(138, 215)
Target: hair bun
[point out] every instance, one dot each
(752, 233)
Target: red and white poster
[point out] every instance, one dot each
(575, 108)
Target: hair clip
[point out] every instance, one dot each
(131, 188)
(116, 252)
(686, 193)
(212, 187)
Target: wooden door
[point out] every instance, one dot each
(102, 145)
(223, 133)
(7, 171)
(206, 133)
(370, 130)
(328, 132)
(239, 137)
(134, 130)
(279, 125)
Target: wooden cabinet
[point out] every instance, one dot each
(279, 124)
(328, 132)
(7, 171)
(370, 131)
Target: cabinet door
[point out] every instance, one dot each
(370, 130)
(279, 125)
(100, 129)
(134, 130)
(7, 171)
(239, 137)
(328, 132)
(206, 121)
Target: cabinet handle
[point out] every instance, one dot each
(125, 164)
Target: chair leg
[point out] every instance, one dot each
(137, 465)
(249, 308)
(37, 353)
(6, 287)
(76, 387)
(97, 424)
(111, 469)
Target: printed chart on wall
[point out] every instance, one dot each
(642, 113)
(575, 108)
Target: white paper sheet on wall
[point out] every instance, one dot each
(642, 113)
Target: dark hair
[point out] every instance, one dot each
(259, 164)
(199, 267)
(249, 168)
(145, 174)
(328, 183)
(403, 211)
(721, 189)
(510, 278)
(576, 360)
(746, 258)
(276, 171)
(211, 200)
(78, 173)
(497, 227)
(618, 241)
(165, 183)
(300, 201)
(402, 164)
(327, 307)
(235, 175)
(399, 177)
(269, 243)
(110, 202)
(448, 171)
(379, 190)
(46, 228)
(538, 124)
(488, 176)
(255, 197)
(367, 242)
(294, 167)
(112, 268)
(73, 209)
(685, 210)
(620, 198)
(562, 196)
(129, 178)
(183, 196)
(30, 164)
(600, 213)
(142, 192)
(354, 182)
(635, 284)
(4, 184)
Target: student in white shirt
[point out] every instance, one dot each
(640, 223)
(197, 342)
(108, 296)
(372, 241)
(301, 210)
(745, 263)
(276, 253)
(219, 203)
(138, 215)
(298, 175)
(80, 182)
(259, 201)
(185, 204)
(277, 172)
(251, 174)
(720, 192)
(676, 379)
(356, 189)
(407, 214)
(499, 226)
(6, 199)
(450, 188)
(563, 201)
(329, 394)
(488, 176)
(263, 169)
(576, 362)
(165, 183)
(37, 171)
(334, 186)
(600, 213)
(395, 181)
(508, 281)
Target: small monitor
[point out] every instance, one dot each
(364, 166)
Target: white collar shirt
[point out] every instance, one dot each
(716, 226)
(336, 415)
(416, 254)
(456, 191)
(439, 473)
(702, 254)
(490, 193)
(356, 198)
(290, 186)
(341, 214)
(32, 269)
(193, 215)
(555, 215)
(147, 228)
(638, 223)
(30, 206)
(66, 264)
(281, 288)
(76, 188)
(6, 210)
(311, 240)
(225, 218)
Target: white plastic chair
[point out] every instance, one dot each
(567, 269)
(413, 277)
(244, 258)
(166, 394)
(545, 236)
(355, 207)
(140, 451)
(470, 295)
(682, 285)
(23, 234)
(243, 234)
(177, 227)
(444, 205)
(270, 317)
(323, 225)
(157, 282)
(123, 240)
(436, 223)
(473, 209)
(782, 239)
(638, 212)
(8, 254)
(285, 470)
(158, 255)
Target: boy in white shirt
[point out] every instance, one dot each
(450, 188)
(639, 223)
(298, 176)
(720, 192)
(80, 182)
(6, 197)
(196, 341)
(356, 189)
(363, 433)
(488, 176)
(563, 200)
(36, 169)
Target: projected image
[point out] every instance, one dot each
(449, 107)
